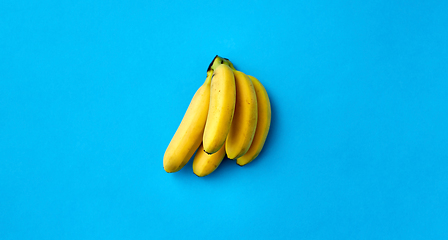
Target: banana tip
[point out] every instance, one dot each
(208, 153)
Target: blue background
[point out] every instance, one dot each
(92, 92)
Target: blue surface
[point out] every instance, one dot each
(92, 92)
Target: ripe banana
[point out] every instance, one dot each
(263, 124)
(204, 164)
(221, 108)
(245, 118)
(230, 114)
(189, 134)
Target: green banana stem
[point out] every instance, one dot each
(217, 60)
(209, 76)
(211, 68)
(229, 63)
(215, 63)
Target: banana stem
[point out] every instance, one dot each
(209, 76)
(217, 60)
(215, 63)
(229, 63)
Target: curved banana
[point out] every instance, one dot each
(204, 164)
(188, 136)
(220, 112)
(263, 124)
(244, 122)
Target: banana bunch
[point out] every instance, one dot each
(230, 114)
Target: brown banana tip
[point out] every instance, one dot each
(208, 152)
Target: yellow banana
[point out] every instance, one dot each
(244, 122)
(263, 124)
(189, 134)
(204, 164)
(221, 108)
